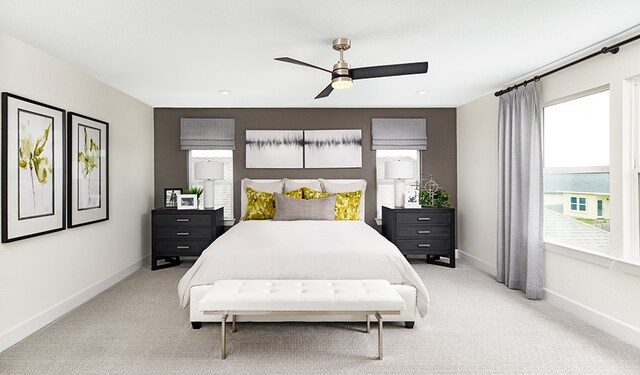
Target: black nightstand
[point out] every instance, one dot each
(176, 233)
(428, 231)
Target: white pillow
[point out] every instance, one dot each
(265, 187)
(291, 185)
(342, 187)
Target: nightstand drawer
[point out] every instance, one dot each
(425, 245)
(179, 220)
(177, 247)
(421, 217)
(183, 232)
(423, 231)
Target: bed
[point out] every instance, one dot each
(302, 249)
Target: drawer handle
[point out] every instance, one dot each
(182, 233)
(424, 232)
(424, 219)
(424, 245)
(182, 247)
(182, 220)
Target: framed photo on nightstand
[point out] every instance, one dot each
(171, 197)
(187, 202)
(412, 199)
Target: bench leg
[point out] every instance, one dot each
(233, 323)
(223, 350)
(368, 324)
(379, 317)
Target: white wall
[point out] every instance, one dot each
(602, 291)
(45, 276)
(477, 133)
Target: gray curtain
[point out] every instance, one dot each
(520, 227)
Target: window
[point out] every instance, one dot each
(581, 206)
(223, 188)
(385, 187)
(576, 172)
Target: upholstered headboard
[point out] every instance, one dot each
(271, 185)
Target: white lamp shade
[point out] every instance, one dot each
(398, 169)
(209, 170)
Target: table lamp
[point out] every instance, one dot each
(399, 171)
(208, 171)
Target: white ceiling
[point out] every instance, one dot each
(170, 53)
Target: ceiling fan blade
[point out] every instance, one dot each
(324, 93)
(298, 62)
(389, 70)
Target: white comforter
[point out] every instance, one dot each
(302, 250)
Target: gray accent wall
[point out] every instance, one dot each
(170, 163)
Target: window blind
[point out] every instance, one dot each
(399, 133)
(207, 134)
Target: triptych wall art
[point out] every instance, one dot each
(54, 169)
(304, 149)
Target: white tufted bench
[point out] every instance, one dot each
(241, 297)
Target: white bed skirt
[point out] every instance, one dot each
(408, 293)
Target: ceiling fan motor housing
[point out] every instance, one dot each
(340, 77)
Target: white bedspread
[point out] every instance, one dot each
(302, 250)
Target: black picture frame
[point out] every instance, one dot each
(171, 193)
(87, 170)
(33, 168)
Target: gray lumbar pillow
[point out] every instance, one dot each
(304, 209)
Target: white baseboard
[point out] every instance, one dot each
(606, 323)
(19, 332)
(477, 262)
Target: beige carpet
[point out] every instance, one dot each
(475, 326)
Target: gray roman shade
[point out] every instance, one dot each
(399, 134)
(207, 134)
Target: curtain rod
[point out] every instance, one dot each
(613, 50)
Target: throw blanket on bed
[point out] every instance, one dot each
(261, 249)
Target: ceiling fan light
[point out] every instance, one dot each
(341, 83)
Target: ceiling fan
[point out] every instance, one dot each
(342, 75)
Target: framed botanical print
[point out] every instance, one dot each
(33, 183)
(88, 162)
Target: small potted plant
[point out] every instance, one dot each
(440, 198)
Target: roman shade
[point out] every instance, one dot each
(399, 134)
(207, 134)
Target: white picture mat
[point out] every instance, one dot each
(333, 148)
(92, 214)
(15, 228)
(281, 154)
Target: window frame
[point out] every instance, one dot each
(632, 97)
(390, 182)
(554, 245)
(191, 183)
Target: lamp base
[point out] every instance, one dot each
(399, 192)
(208, 193)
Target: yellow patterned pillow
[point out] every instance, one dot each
(347, 204)
(294, 194)
(262, 206)
(313, 194)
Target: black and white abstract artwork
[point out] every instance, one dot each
(333, 148)
(274, 148)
